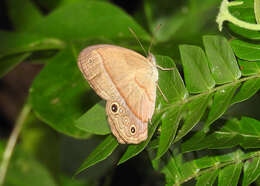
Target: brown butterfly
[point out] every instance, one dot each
(127, 81)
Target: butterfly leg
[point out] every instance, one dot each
(160, 90)
(164, 69)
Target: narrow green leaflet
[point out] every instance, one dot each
(9, 62)
(59, 95)
(222, 61)
(207, 179)
(249, 68)
(113, 23)
(251, 171)
(247, 90)
(170, 81)
(23, 14)
(245, 133)
(195, 110)
(229, 175)
(94, 120)
(196, 71)
(172, 169)
(222, 100)
(14, 43)
(134, 150)
(246, 50)
(103, 150)
(194, 142)
(170, 123)
(251, 132)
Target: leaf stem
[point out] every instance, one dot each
(225, 15)
(12, 141)
(190, 98)
(219, 166)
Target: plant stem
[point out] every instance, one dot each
(225, 15)
(12, 141)
(257, 10)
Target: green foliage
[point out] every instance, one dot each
(190, 137)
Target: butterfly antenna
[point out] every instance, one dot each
(134, 34)
(151, 44)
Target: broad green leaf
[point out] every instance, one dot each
(207, 179)
(23, 14)
(251, 171)
(249, 68)
(14, 43)
(59, 95)
(247, 90)
(25, 170)
(103, 150)
(176, 23)
(194, 110)
(230, 174)
(170, 123)
(221, 102)
(222, 61)
(94, 120)
(246, 50)
(196, 71)
(113, 23)
(134, 150)
(9, 62)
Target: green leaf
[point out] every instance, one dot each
(245, 133)
(244, 12)
(8, 63)
(246, 50)
(222, 100)
(222, 61)
(194, 142)
(251, 171)
(196, 71)
(14, 43)
(195, 110)
(134, 150)
(170, 123)
(23, 14)
(172, 169)
(103, 150)
(230, 174)
(170, 81)
(94, 120)
(247, 90)
(113, 23)
(249, 68)
(59, 95)
(207, 179)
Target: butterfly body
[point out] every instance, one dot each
(127, 81)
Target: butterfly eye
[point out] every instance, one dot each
(132, 129)
(114, 107)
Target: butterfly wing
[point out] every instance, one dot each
(126, 78)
